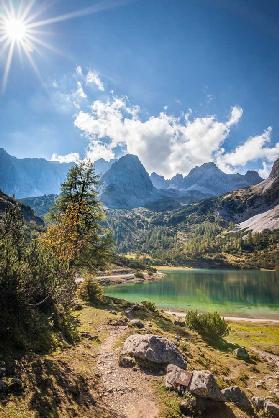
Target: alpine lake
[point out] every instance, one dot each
(240, 293)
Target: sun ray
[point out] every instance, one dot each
(47, 46)
(20, 29)
(8, 65)
(105, 5)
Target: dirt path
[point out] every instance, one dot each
(126, 392)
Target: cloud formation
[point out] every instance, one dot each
(68, 158)
(164, 143)
(254, 148)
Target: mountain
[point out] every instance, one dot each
(30, 176)
(40, 204)
(208, 180)
(127, 184)
(101, 166)
(212, 232)
(7, 202)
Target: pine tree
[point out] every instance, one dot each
(75, 234)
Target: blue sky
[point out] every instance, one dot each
(176, 82)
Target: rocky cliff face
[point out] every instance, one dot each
(207, 180)
(241, 205)
(126, 184)
(30, 176)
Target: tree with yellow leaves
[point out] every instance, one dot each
(75, 234)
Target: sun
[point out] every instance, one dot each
(21, 25)
(16, 29)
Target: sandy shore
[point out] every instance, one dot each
(173, 268)
(231, 318)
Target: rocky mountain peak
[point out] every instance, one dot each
(253, 177)
(275, 170)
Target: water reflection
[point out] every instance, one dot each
(249, 293)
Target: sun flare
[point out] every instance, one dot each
(16, 29)
(21, 30)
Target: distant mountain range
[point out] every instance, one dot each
(208, 179)
(212, 232)
(124, 183)
(30, 176)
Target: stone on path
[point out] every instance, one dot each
(153, 349)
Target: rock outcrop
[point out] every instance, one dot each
(153, 349)
(235, 395)
(203, 384)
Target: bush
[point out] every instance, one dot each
(91, 291)
(139, 275)
(211, 325)
(150, 306)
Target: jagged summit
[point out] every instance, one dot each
(126, 184)
(275, 170)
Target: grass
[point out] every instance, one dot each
(262, 336)
(55, 380)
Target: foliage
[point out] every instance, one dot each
(37, 270)
(34, 284)
(195, 235)
(91, 291)
(139, 275)
(150, 306)
(75, 234)
(210, 325)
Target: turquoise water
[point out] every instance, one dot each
(239, 293)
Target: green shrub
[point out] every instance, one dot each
(139, 275)
(91, 291)
(150, 306)
(211, 325)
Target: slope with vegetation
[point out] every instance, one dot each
(63, 346)
(206, 233)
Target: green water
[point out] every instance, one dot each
(239, 293)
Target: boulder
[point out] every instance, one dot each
(177, 379)
(153, 349)
(241, 353)
(235, 395)
(137, 323)
(271, 409)
(203, 384)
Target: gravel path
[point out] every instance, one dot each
(126, 392)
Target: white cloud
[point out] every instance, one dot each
(79, 91)
(67, 158)
(94, 78)
(253, 149)
(164, 143)
(79, 70)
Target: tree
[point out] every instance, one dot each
(76, 235)
(34, 285)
